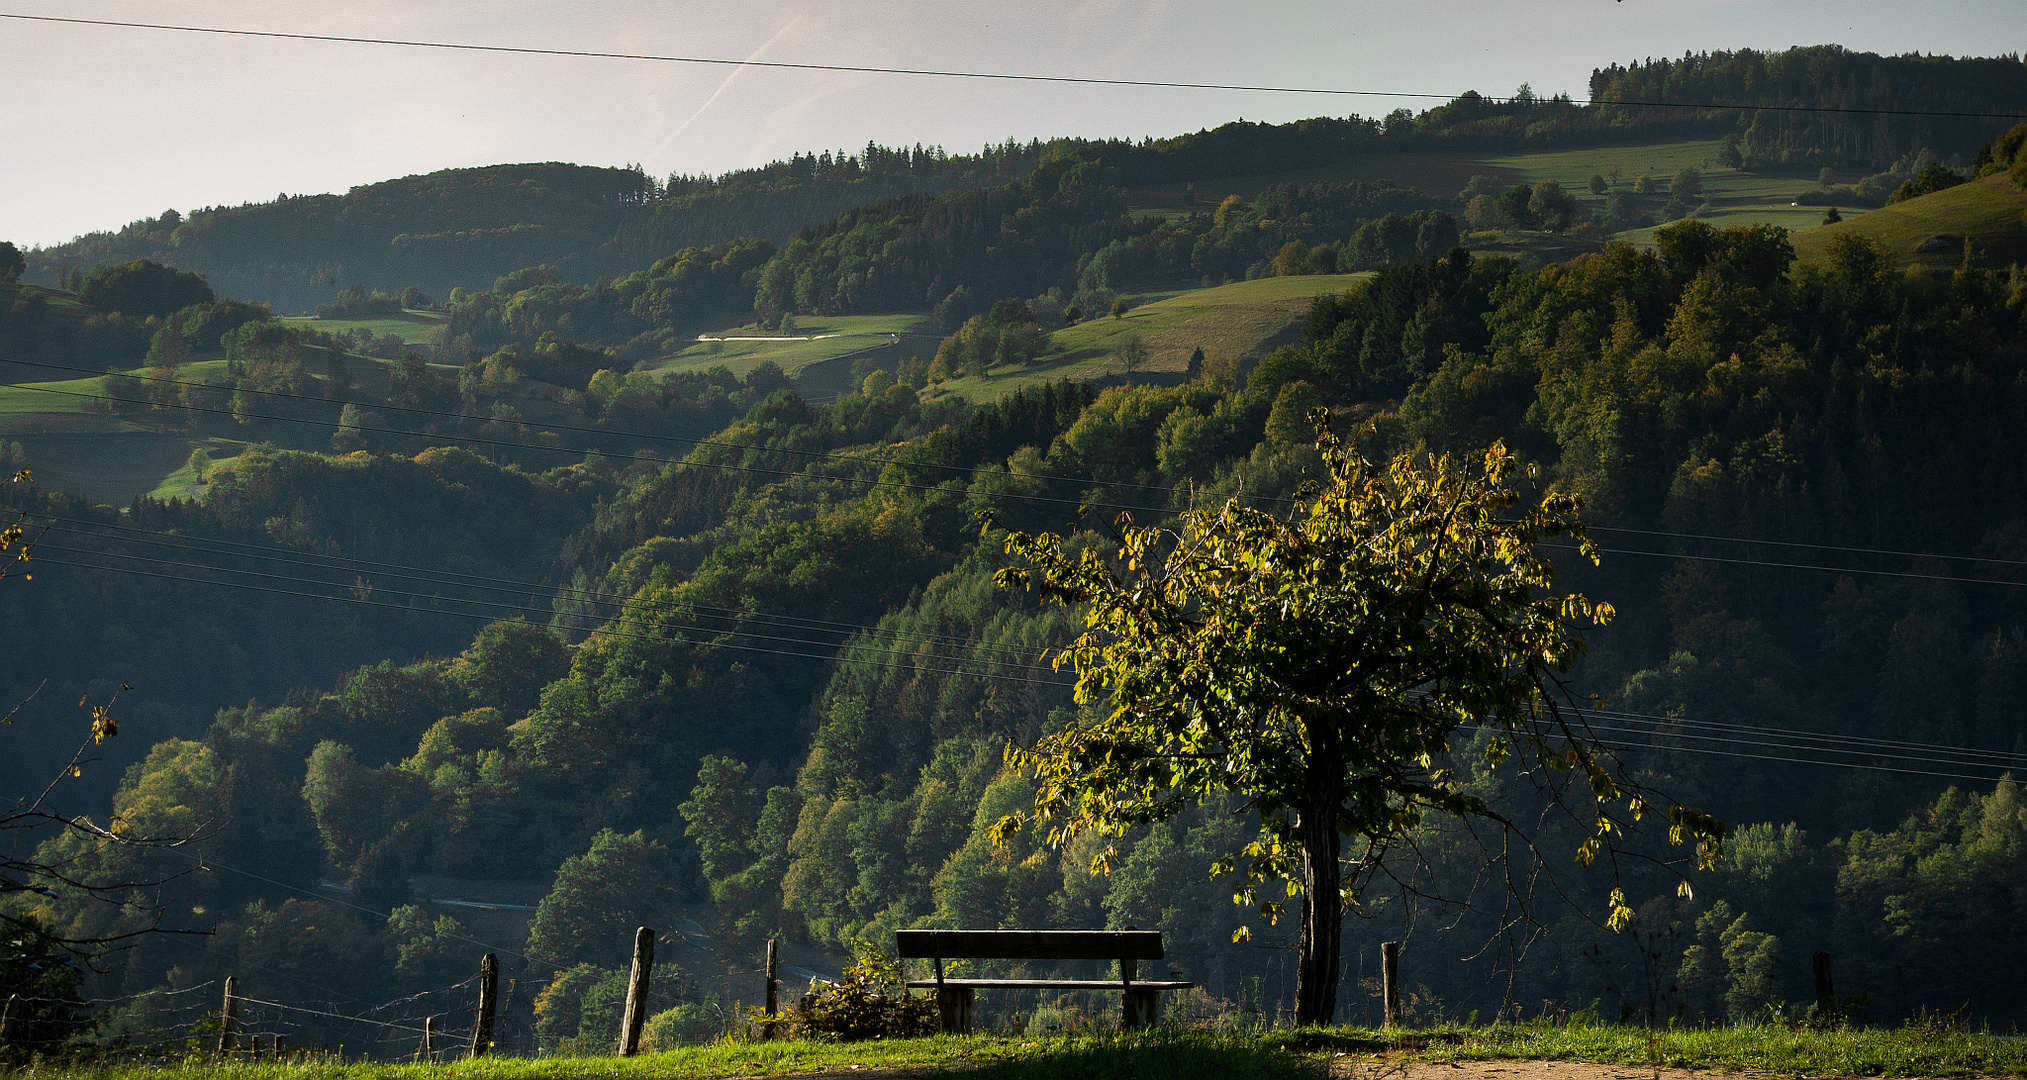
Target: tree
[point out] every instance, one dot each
(1832, 216)
(12, 262)
(1120, 307)
(1551, 207)
(1598, 184)
(1322, 668)
(81, 865)
(1072, 315)
(142, 288)
(1132, 353)
(599, 898)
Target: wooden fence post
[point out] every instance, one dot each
(7, 1019)
(1390, 980)
(228, 1019)
(429, 1040)
(1825, 993)
(636, 1013)
(773, 985)
(489, 992)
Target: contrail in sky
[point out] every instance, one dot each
(726, 85)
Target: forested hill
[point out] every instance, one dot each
(780, 678)
(468, 226)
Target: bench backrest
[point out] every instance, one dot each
(1029, 944)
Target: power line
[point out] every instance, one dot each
(1769, 744)
(1799, 544)
(1811, 761)
(482, 441)
(1789, 565)
(353, 564)
(1081, 504)
(310, 561)
(659, 625)
(607, 631)
(951, 74)
(829, 455)
(965, 469)
(1827, 737)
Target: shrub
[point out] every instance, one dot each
(871, 1001)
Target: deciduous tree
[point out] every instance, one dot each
(1322, 668)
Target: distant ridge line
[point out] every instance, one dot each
(1009, 76)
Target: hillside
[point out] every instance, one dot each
(695, 598)
(467, 227)
(1930, 231)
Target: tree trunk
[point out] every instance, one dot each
(1322, 912)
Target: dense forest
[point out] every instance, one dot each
(761, 675)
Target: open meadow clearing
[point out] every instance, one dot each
(1245, 319)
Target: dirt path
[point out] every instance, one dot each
(1369, 1067)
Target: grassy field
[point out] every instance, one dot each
(1991, 209)
(20, 400)
(184, 483)
(815, 340)
(412, 327)
(1736, 198)
(1188, 1055)
(1245, 318)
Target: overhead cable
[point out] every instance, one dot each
(871, 69)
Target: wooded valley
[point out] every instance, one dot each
(600, 550)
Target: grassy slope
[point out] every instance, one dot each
(1992, 210)
(834, 337)
(1245, 318)
(184, 483)
(1736, 198)
(412, 327)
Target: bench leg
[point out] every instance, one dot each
(1140, 1009)
(954, 1002)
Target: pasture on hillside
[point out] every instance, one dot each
(1991, 211)
(1735, 197)
(1247, 319)
(412, 327)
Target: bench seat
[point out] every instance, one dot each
(1140, 1001)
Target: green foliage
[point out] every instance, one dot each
(1732, 970)
(142, 288)
(868, 1001)
(575, 1013)
(1932, 178)
(620, 883)
(508, 664)
(1223, 657)
(692, 1023)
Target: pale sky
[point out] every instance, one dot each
(105, 125)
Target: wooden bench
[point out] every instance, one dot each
(1141, 1000)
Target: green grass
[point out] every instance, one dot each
(1175, 1055)
(184, 483)
(835, 337)
(412, 327)
(1736, 198)
(1907, 1051)
(1245, 318)
(1991, 210)
(1189, 1055)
